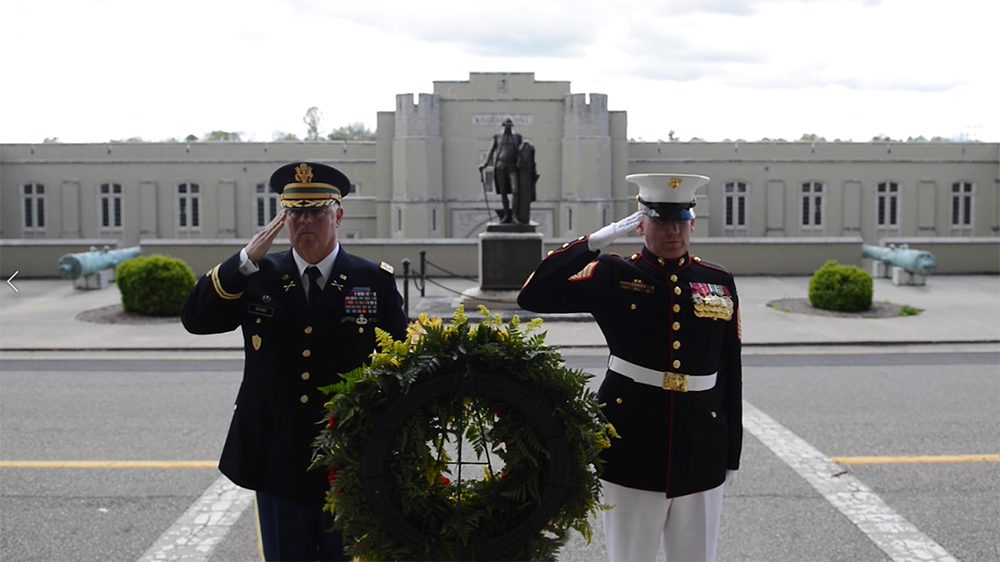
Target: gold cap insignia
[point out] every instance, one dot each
(303, 173)
(674, 183)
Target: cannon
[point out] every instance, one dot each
(82, 266)
(896, 259)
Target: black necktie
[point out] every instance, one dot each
(315, 289)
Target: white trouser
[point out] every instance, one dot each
(688, 525)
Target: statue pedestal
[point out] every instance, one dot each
(508, 253)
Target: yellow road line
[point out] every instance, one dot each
(109, 464)
(924, 459)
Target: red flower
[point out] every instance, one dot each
(498, 409)
(332, 476)
(445, 481)
(332, 423)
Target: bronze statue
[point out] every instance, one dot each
(514, 174)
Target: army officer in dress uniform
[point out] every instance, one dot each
(673, 385)
(307, 314)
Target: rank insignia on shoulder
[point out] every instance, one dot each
(584, 274)
(385, 267)
(636, 285)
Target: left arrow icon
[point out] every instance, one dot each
(10, 282)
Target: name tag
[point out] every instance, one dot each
(261, 310)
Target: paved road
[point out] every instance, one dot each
(175, 407)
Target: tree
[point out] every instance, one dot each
(191, 138)
(354, 131)
(216, 136)
(811, 137)
(312, 119)
(280, 136)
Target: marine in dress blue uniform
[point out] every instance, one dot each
(673, 385)
(298, 336)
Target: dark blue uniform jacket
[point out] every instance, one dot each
(290, 351)
(678, 315)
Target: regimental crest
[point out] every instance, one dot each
(674, 183)
(303, 173)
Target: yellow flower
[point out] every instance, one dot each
(460, 317)
(414, 332)
(484, 311)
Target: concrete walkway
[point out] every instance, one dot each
(42, 316)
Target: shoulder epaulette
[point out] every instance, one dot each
(710, 265)
(386, 267)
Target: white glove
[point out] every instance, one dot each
(613, 231)
(731, 477)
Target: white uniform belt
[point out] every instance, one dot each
(667, 380)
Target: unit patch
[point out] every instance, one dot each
(712, 301)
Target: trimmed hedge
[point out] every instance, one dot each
(155, 285)
(841, 287)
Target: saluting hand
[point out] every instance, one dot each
(261, 242)
(613, 231)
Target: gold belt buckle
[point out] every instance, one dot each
(675, 381)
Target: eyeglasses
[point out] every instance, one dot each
(312, 212)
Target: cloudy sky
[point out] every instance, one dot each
(97, 70)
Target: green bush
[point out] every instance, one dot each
(841, 287)
(155, 285)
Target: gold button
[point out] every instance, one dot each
(361, 330)
(696, 258)
(677, 308)
(565, 245)
(677, 290)
(308, 330)
(234, 407)
(677, 345)
(306, 353)
(581, 238)
(633, 306)
(259, 320)
(550, 252)
(676, 326)
(618, 400)
(677, 363)
(304, 399)
(712, 414)
(305, 375)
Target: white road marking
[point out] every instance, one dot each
(892, 533)
(203, 526)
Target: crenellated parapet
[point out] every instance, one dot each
(419, 120)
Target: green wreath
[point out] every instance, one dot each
(404, 484)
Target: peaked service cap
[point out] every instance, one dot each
(667, 196)
(304, 185)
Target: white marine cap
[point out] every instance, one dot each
(667, 196)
